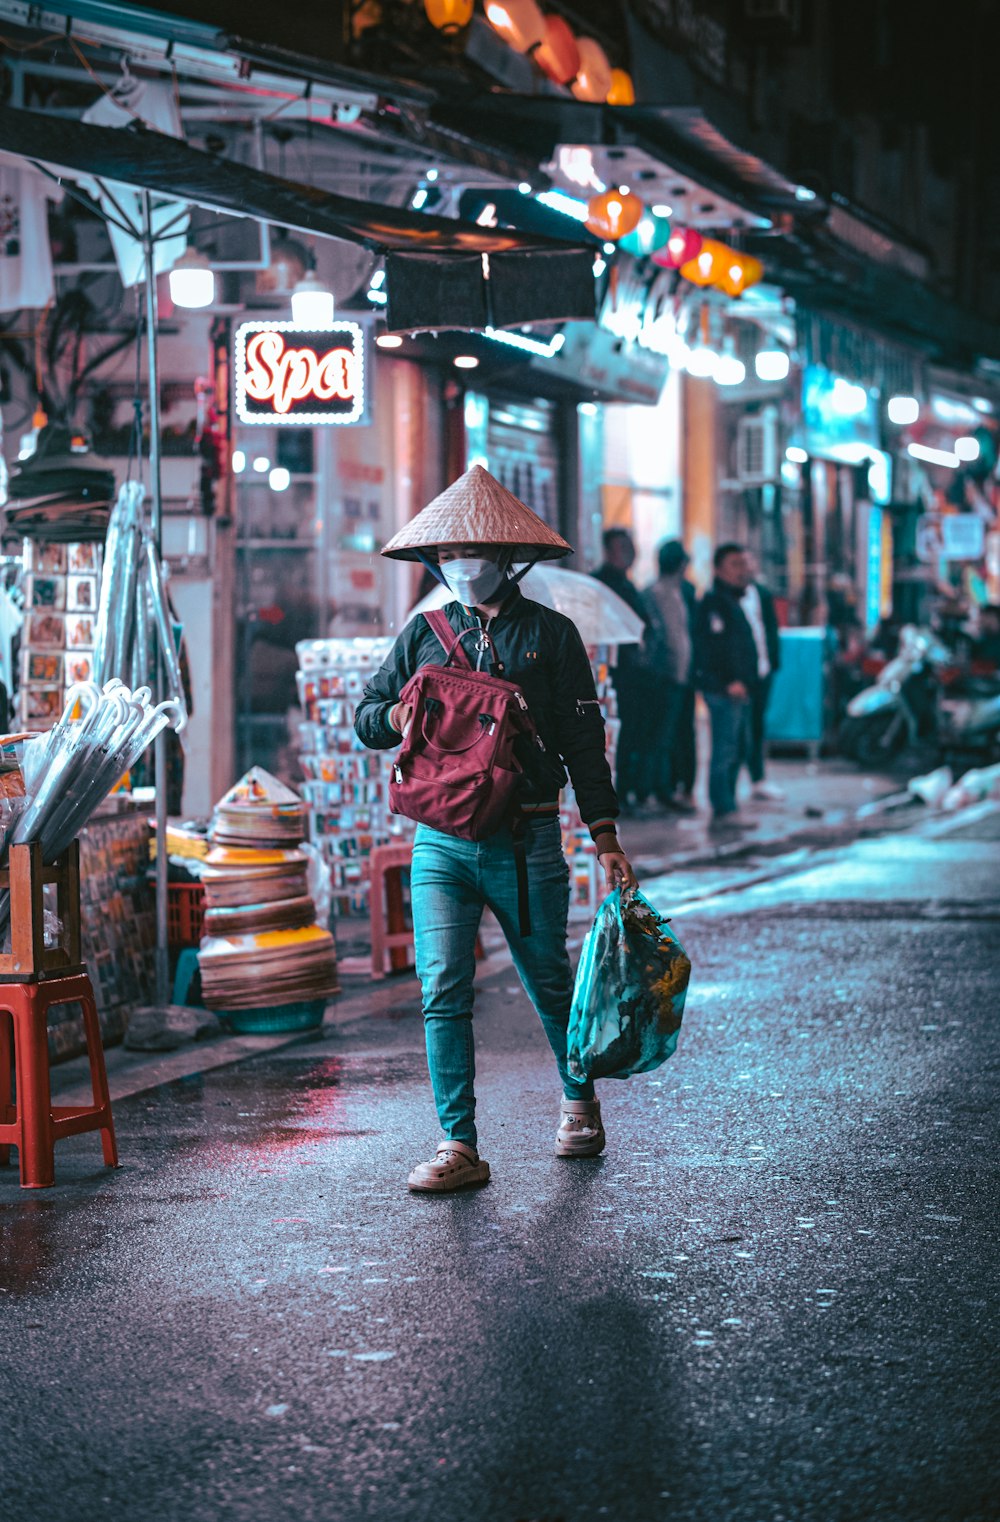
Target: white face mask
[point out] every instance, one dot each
(473, 580)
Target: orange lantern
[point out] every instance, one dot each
(707, 266)
(558, 55)
(449, 16)
(519, 22)
(593, 78)
(613, 214)
(739, 272)
(622, 92)
(683, 245)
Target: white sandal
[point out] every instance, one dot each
(453, 1166)
(581, 1133)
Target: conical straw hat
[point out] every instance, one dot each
(476, 509)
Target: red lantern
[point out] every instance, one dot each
(613, 214)
(683, 245)
(558, 55)
(593, 79)
(622, 92)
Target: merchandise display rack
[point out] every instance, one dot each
(61, 594)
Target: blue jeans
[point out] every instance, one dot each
(452, 881)
(730, 748)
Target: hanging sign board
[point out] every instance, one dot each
(307, 377)
(964, 536)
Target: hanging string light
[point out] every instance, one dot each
(519, 22)
(622, 91)
(613, 214)
(557, 55)
(593, 79)
(449, 16)
(683, 245)
(739, 272)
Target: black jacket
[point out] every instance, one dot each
(630, 659)
(542, 652)
(724, 648)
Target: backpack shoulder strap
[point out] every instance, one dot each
(437, 621)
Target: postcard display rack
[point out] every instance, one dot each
(347, 786)
(62, 588)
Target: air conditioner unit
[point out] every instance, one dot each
(757, 449)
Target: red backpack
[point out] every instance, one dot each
(456, 769)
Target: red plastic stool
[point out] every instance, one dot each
(33, 1125)
(390, 932)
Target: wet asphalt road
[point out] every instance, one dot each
(772, 1299)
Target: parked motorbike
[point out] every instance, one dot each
(901, 706)
(969, 719)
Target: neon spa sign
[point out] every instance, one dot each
(303, 376)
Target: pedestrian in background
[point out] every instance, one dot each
(471, 536)
(629, 675)
(669, 657)
(758, 605)
(726, 672)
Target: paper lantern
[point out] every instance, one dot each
(593, 78)
(708, 264)
(739, 272)
(558, 55)
(519, 22)
(683, 245)
(622, 92)
(449, 16)
(648, 238)
(613, 214)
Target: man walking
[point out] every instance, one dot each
(670, 661)
(726, 663)
(758, 605)
(628, 676)
(471, 536)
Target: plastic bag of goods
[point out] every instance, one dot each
(630, 990)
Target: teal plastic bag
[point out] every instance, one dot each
(631, 984)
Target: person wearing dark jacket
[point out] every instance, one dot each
(669, 664)
(471, 535)
(758, 605)
(726, 666)
(629, 676)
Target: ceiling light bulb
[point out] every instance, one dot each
(279, 478)
(389, 341)
(312, 303)
(967, 448)
(192, 281)
(903, 410)
(239, 462)
(730, 371)
(772, 365)
(466, 362)
(261, 464)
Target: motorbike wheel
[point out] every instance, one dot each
(881, 739)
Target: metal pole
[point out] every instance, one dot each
(160, 743)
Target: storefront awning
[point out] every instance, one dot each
(151, 161)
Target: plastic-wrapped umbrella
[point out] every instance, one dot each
(602, 617)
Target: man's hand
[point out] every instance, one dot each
(617, 870)
(400, 715)
(737, 690)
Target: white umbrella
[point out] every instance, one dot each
(602, 617)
